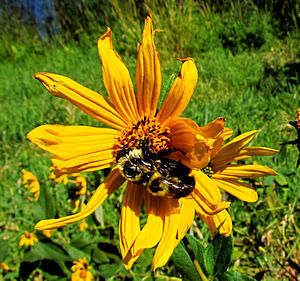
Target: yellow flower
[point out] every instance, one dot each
(28, 239)
(137, 125)
(80, 183)
(229, 177)
(48, 233)
(4, 266)
(59, 179)
(80, 269)
(83, 225)
(30, 181)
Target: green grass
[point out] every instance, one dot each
(246, 73)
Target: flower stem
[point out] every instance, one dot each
(193, 258)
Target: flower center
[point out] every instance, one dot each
(144, 131)
(208, 170)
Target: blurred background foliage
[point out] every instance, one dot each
(247, 54)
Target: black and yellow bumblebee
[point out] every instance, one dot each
(161, 176)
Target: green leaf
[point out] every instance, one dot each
(4, 247)
(222, 252)
(46, 204)
(183, 261)
(82, 247)
(48, 251)
(109, 270)
(232, 275)
(281, 180)
(209, 260)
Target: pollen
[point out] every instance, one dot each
(146, 131)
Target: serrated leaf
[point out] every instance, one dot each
(232, 275)
(183, 261)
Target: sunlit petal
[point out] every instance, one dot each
(221, 222)
(186, 217)
(237, 188)
(236, 155)
(116, 78)
(167, 243)
(130, 216)
(207, 195)
(76, 148)
(234, 145)
(246, 171)
(147, 237)
(180, 93)
(111, 183)
(148, 72)
(87, 100)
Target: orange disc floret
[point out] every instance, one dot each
(146, 130)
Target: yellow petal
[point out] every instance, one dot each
(130, 216)
(246, 171)
(237, 188)
(180, 93)
(226, 134)
(182, 133)
(87, 100)
(221, 221)
(186, 217)
(111, 183)
(76, 148)
(233, 146)
(207, 195)
(230, 156)
(148, 238)
(166, 245)
(185, 137)
(212, 129)
(148, 72)
(117, 79)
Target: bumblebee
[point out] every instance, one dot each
(161, 176)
